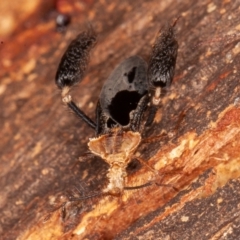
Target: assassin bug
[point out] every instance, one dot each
(125, 96)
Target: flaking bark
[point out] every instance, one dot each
(196, 154)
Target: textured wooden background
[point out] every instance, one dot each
(41, 141)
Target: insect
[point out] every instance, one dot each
(132, 88)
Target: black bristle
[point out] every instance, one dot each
(74, 61)
(163, 59)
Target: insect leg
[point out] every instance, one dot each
(146, 164)
(163, 60)
(152, 113)
(150, 184)
(71, 70)
(73, 199)
(161, 66)
(72, 105)
(136, 115)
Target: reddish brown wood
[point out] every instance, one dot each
(41, 141)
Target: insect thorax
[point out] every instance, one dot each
(115, 148)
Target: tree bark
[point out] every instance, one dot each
(193, 144)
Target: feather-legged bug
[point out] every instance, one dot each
(122, 102)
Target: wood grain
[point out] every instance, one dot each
(196, 154)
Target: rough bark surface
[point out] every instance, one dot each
(196, 154)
